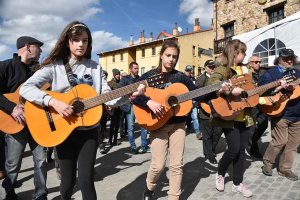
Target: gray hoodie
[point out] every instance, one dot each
(84, 71)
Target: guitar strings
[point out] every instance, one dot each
(76, 95)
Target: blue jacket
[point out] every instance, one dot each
(292, 110)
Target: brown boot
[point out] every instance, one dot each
(289, 175)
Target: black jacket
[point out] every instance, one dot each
(174, 77)
(12, 74)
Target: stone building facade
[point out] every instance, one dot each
(233, 17)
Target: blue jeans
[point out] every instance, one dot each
(15, 146)
(130, 130)
(194, 116)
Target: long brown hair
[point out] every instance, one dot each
(167, 44)
(232, 48)
(61, 50)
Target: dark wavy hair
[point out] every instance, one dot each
(61, 50)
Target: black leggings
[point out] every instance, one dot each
(81, 147)
(236, 139)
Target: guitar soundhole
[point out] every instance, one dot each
(173, 101)
(78, 106)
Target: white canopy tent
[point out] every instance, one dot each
(261, 41)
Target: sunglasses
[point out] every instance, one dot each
(256, 62)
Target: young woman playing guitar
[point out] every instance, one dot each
(73, 48)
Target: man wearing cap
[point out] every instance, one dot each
(13, 72)
(192, 118)
(261, 119)
(285, 129)
(211, 134)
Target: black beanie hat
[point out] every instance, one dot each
(115, 71)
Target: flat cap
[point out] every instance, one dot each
(209, 63)
(23, 40)
(287, 53)
(188, 68)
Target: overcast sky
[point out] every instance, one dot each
(111, 21)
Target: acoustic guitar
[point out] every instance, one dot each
(49, 129)
(8, 124)
(177, 101)
(277, 103)
(229, 107)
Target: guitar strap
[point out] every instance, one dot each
(70, 75)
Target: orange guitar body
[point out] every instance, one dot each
(230, 107)
(8, 124)
(205, 107)
(38, 122)
(149, 121)
(280, 100)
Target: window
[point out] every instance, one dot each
(228, 30)
(206, 52)
(153, 51)
(121, 56)
(113, 58)
(143, 53)
(266, 50)
(276, 14)
(199, 71)
(142, 70)
(194, 50)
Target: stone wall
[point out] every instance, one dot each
(247, 14)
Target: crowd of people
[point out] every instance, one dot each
(69, 64)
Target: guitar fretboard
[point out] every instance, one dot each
(198, 92)
(296, 82)
(263, 88)
(114, 94)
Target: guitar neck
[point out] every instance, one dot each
(199, 92)
(296, 82)
(114, 94)
(263, 88)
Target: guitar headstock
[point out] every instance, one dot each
(158, 80)
(290, 77)
(241, 80)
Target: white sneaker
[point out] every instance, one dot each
(220, 182)
(242, 189)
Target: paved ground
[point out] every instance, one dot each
(120, 175)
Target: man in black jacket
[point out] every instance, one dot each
(13, 72)
(128, 110)
(211, 134)
(261, 119)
